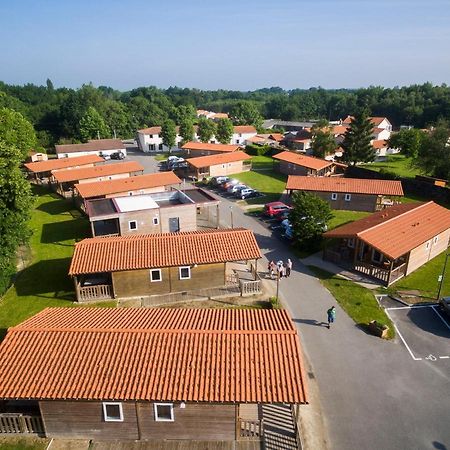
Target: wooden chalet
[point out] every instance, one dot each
(351, 194)
(65, 180)
(218, 165)
(195, 149)
(291, 163)
(150, 373)
(41, 171)
(100, 147)
(159, 264)
(391, 243)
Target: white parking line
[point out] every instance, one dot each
(411, 307)
(444, 357)
(440, 317)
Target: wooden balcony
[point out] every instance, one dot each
(96, 292)
(16, 423)
(250, 429)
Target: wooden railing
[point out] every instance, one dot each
(397, 273)
(372, 271)
(100, 291)
(231, 279)
(250, 287)
(13, 423)
(250, 429)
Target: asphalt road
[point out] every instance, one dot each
(373, 394)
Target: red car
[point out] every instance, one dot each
(274, 209)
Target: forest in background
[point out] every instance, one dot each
(56, 113)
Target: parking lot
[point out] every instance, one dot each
(424, 330)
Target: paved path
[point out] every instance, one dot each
(279, 428)
(374, 396)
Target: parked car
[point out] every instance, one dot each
(118, 155)
(444, 303)
(174, 158)
(287, 231)
(273, 209)
(283, 215)
(226, 185)
(248, 193)
(218, 181)
(236, 188)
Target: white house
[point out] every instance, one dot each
(100, 147)
(150, 140)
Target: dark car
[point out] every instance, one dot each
(444, 303)
(248, 193)
(118, 155)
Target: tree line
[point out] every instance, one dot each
(66, 115)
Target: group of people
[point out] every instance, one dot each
(280, 269)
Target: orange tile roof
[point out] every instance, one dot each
(210, 147)
(163, 250)
(105, 170)
(212, 160)
(62, 163)
(108, 187)
(154, 354)
(245, 129)
(381, 143)
(302, 160)
(339, 129)
(220, 116)
(93, 145)
(150, 130)
(347, 185)
(377, 120)
(399, 229)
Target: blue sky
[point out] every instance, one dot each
(229, 44)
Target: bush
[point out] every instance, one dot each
(388, 174)
(258, 150)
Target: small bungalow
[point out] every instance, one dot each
(391, 243)
(272, 139)
(140, 184)
(291, 163)
(156, 264)
(219, 165)
(100, 147)
(163, 212)
(351, 194)
(299, 140)
(37, 156)
(161, 374)
(196, 149)
(241, 133)
(41, 171)
(66, 179)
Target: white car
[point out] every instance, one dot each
(236, 188)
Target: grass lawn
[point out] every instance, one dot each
(358, 302)
(55, 225)
(262, 163)
(28, 443)
(425, 279)
(399, 164)
(269, 183)
(342, 217)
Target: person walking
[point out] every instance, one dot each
(331, 315)
(271, 268)
(288, 267)
(280, 268)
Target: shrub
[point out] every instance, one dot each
(258, 150)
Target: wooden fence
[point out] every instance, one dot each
(13, 423)
(250, 287)
(98, 292)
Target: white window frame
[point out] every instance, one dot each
(427, 245)
(111, 419)
(129, 225)
(334, 196)
(179, 272)
(375, 260)
(348, 197)
(155, 411)
(435, 239)
(151, 276)
(156, 220)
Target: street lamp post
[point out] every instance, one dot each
(441, 277)
(231, 216)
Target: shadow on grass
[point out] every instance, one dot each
(55, 232)
(44, 277)
(56, 207)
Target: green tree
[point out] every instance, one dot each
(169, 133)
(407, 141)
(356, 145)
(17, 132)
(92, 126)
(308, 217)
(246, 113)
(49, 84)
(206, 129)
(224, 131)
(434, 152)
(15, 205)
(186, 130)
(323, 142)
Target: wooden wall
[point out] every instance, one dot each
(358, 202)
(420, 255)
(197, 421)
(84, 420)
(230, 168)
(136, 283)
